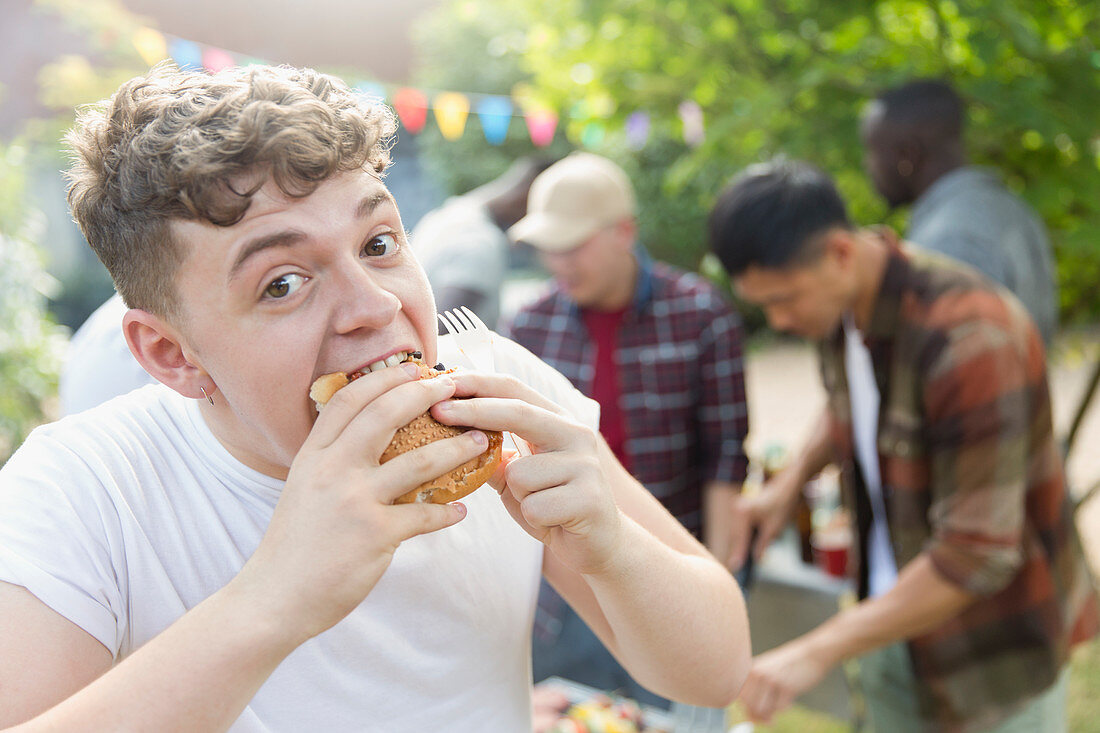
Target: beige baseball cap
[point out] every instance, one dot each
(572, 200)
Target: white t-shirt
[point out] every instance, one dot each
(882, 568)
(127, 515)
(98, 363)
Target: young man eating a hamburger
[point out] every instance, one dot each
(212, 553)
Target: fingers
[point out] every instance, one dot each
(767, 531)
(409, 470)
(545, 429)
(474, 384)
(371, 429)
(758, 696)
(342, 408)
(528, 481)
(410, 520)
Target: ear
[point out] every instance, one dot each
(627, 233)
(162, 351)
(910, 155)
(840, 248)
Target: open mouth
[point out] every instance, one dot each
(390, 361)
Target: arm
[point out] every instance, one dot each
(329, 541)
(671, 614)
(921, 601)
(721, 530)
(770, 509)
(976, 415)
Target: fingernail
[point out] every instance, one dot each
(411, 369)
(443, 407)
(460, 509)
(479, 437)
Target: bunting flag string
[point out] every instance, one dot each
(450, 109)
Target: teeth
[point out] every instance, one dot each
(389, 361)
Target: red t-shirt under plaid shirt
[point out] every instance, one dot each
(681, 384)
(603, 329)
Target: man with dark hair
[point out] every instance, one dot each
(915, 154)
(972, 584)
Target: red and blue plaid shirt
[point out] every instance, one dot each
(682, 390)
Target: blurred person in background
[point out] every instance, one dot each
(659, 349)
(969, 568)
(915, 154)
(198, 554)
(98, 364)
(463, 247)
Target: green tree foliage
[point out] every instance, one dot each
(791, 77)
(30, 342)
(474, 47)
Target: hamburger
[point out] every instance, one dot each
(422, 430)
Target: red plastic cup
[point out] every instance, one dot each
(830, 548)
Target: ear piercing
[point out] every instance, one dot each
(208, 397)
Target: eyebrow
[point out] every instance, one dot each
(290, 237)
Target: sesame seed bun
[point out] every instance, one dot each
(422, 430)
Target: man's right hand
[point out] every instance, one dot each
(767, 512)
(335, 529)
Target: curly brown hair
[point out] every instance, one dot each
(172, 144)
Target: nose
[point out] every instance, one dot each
(362, 301)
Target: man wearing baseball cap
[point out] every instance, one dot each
(658, 348)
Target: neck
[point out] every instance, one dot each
(872, 254)
(621, 293)
(935, 169)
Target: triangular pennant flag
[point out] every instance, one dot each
(691, 114)
(592, 134)
(541, 125)
(215, 59)
(451, 110)
(495, 114)
(637, 130)
(150, 45)
(412, 108)
(186, 54)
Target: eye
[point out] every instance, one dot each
(283, 286)
(383, 244)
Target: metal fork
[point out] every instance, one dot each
(472, 337)
(475, 342)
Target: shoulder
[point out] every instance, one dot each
(953, 311)
(112, 435)
(691, 298)
(550, 302)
